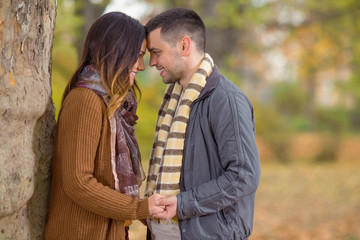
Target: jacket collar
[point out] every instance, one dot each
(211, 82)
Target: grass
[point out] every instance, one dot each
(302, 201)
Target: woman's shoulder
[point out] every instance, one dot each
(82, 99)
(81, 92)
(83, 95)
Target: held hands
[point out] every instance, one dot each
(170, 203)
(162, 207)
(154, 208)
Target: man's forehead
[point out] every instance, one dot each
(154, 35)
(154, 40)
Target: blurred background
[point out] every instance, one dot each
(298, 62)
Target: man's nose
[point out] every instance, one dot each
(152, 61)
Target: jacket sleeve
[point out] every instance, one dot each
(79, 135)
(233, 127)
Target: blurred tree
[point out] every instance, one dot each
(74, 18)
(352, 87)
(89, 10)
(282, 53)
(320, 37)
(289, 99)
(65, 55)
(262, 42)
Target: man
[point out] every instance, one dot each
(204, 155)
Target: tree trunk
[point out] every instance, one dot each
(26, 116)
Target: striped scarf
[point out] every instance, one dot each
(168, 148)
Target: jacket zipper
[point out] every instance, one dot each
(182, 183)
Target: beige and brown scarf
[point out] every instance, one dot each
(168, 148)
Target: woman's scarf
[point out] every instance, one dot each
(125, 155)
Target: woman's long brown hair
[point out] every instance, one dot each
(112, 45)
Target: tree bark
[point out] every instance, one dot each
(26, 116)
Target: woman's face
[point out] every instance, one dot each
(139, 65)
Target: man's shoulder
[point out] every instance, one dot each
(228, 89)
(226, 86)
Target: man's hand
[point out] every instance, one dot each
(170, 204)
(153, 207)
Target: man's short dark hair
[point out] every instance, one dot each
(177, 23)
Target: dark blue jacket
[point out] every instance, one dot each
(221, 167)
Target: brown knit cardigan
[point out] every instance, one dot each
(83, 202)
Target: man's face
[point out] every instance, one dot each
(165, 58)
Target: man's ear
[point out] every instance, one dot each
(185, 46)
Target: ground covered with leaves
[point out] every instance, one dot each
(303, 201)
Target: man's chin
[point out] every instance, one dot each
(165, 80)
(169, 80)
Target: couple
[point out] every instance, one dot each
(204, 167)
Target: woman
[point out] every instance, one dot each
(96, 167)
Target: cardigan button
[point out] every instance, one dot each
(184, 230)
